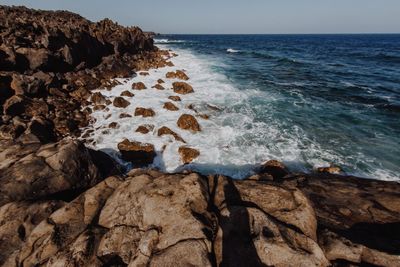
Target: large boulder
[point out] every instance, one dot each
(182, 88)
(120, 102)
(188, 154)
(188, 122)
(138, 153)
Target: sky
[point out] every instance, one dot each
(237, 16)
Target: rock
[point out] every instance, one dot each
(170, 106)
(182, 88)
(127, 93)
(144, 129)
(98, 99)
(158, 87)
(144, 73)
(124, 115)
(174, 98)
(120, 102)
(144, 112)
(160, 81)
(188, 154)
(33, 171)
(27, 85)
(177, 75)
(139, 86)
(140, 154)
(275, 168)
(113, 125)
(188, 122)
(167, 131)
(203, 116)
(331, 169)
(42, 129)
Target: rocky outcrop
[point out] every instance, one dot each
(51, 60)
(140, 154)
(182, 88)
(188, 122)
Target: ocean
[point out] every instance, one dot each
(306, 100)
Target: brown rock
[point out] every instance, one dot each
(170, 106)
(144, 73)
(127, 93)
(139, 86)
(158, 87)
(188, 122)
(120, 102)
(125, 115)
(167, 131)
(275, 168)
(160, 81)
(113, 125)
(144, 129)
(174, 98)
(188, 154)
(182, 88)
(204, 116)
(331, 169)
(145, 112)
(98, 99)
(177, 75)
(138, 153)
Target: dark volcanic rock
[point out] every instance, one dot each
(138, 153)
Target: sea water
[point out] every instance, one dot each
(306, 100)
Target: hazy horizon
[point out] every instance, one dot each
(237, 17)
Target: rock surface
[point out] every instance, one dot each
(170, 106)
(144, 112)
(121, 102)
(182, 88)
(179, 74)
(188, 122)
(140, 154)
(139, 86)
(167, 131)
(188, 154)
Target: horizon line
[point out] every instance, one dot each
(338, 33)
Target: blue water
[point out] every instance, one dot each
(337, 93)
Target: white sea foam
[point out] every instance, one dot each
(232, 141)
(231, 50)
(167, 41)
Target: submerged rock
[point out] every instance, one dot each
(188, 154)
(140, 154)
(182, 88)
(188, 122)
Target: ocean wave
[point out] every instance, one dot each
(231, 50)
(167, 41)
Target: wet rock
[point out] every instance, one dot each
(174, 98)
(203, 116)
(144, 112)
(188, 122)
(139, 86)
(275, 168)
(120, 102)
(331, 169)
(182, 88)
(144, 73)
(98, 99)
(127, 93)
(158, 87)
(144, 129)
(160, 81)
(140, 154)
(188, 154)
(125, 115)
(42, 129)
(177, 75)
(167, 131)
(113, 125)
(27, 85)
(170, 106)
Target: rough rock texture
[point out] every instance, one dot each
(49, 62)
(188, 154)
(170, 106)
(138, 153)
(144, 129)
(121, 102)
(139, 86)
(188, 122)
(144, 112)
(127, 93)
(167, 131)
(174, 98)
(158, 87)
(179, 74)
(182, 88)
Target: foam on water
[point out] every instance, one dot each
(231, 50)
(232, 140)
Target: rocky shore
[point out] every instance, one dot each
(65, 204)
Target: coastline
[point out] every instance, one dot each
(64, 203)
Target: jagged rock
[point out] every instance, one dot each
(138, 153)
(27, 85)
(98, 99)
(120, 102)
(167, 131)
(331, 169)
(174, 98)
(125, 115)
(33, 171)
(113, 125)
(170, 106)
(160, 81)
(188, 122)
(188, 154)
(182, 88)
(127, 93)
(139, 86)
(158, 87)
(275, 168)
(144, 73)
(144, 112)
(42, 129)
(203, 116)
(177, 75)
(144, 129)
